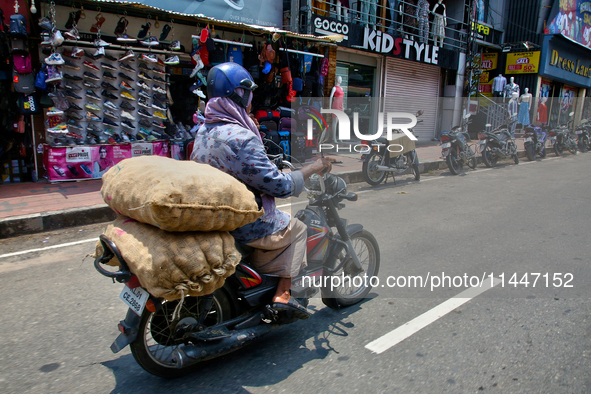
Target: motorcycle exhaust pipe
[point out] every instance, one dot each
(193, 354)
(499, 152)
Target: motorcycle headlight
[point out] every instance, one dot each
(334, 184)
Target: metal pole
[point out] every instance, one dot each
(35, 176)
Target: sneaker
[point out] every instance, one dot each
(45, 24)
(127, 115)
(158, 89)
(93, 129)
(143, 112)
(108, 86)
(150, 41)
(161, 97)
(77, 53)
(91, 94)
(91, 56)
(72, 86)
(110, 114)
(144, 76)
(127, 106)
(90, 75)
(111, 105)
(127, 68)
(52, 111)
(108, 75)
(126, 86)
(72, 124)
(147, 134)
(70, 65)
(128, 124)
(101, 43)
(158, 70)
(126, 38)
(160, 115)
(127, 95)
(108, 95)
(92, 107)
(85, 168)
(57, 39)
(144, 66)
(90, 84)
(110, 57)
(125, 137)
(145, 122)
(142, 84)
(175, 45)
(109, 131)
(75, 116)
(74, 106)
(143, 135)
(88, 64)
(160, 125)
(55, 59)
(159, 79)
(92, 116)
(158, 105)
(100, 52)
(110, 122)
(108, 67)
(142, 102)
(53, 75)
(127, 56)
(172, 60)
(72, 34)
(72, 77)
(125, 76)
(143, 93)
(149, 58)
(72, 95)
(59, 129)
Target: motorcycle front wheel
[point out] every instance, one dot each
(571, 145)
(356, 284)
(488, 158)
(543, 152)
(452, 162)
(156, 340)
(370, 171)
(558, 148)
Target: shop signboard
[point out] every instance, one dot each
(261, 12)
(523, 63)
(489, 61)
(323, 26)
(383, 43)
(565, 61)
(149, 149)
(82, 162)
(571, 19)
(486, 33)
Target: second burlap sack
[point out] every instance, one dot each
(171, 265)
(178, 195)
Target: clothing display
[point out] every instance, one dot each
(410, 21)
(337, 102)
(523, 116)
(422, 15)
(498, 87)
(368, 12)
(439, 22)
(543, 113)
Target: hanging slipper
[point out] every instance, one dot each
(165, 30)
(144, 31)
(100, 19)
(121, 26)
(73, 19)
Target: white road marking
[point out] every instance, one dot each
(398, 335)
(48, 247)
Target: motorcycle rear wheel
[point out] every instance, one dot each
(571, 146)
(488, 158)
(369, 171)
(529, 152)
(543, 151)
(558, 148)
(584, 143)
(155, 342)
(368, 251)
(452, 162)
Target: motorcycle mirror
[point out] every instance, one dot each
(420, 112)
(488, 125)
(467, 116)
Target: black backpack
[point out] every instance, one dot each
(18, 26)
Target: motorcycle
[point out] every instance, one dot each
(497, 144)
(583, 132)
(456, 150)
(562, 138)
(534, 143)
(380, 161)
(170, 338)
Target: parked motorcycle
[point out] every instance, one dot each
(170, 341)
(562, 138)
(497, 144)
(583, 132)
(456, 148)
(534, 143)
(380, 162)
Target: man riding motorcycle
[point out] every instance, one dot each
(230, 141)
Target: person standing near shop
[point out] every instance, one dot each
(230, 141)
(422, 16)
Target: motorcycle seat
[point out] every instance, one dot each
(244, 249)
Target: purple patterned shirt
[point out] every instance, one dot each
(240, 153)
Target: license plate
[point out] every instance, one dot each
(527, 140)
(579, 132)
(446, 145)
(135, 299)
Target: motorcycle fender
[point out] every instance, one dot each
(131, 326)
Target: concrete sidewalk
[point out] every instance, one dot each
(29, 208)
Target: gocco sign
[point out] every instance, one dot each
(327, 26)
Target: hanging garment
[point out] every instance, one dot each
(423, 18)
(543, 113)
(523, 116)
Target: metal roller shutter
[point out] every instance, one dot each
(410, 87)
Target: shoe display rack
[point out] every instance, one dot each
(112, 97)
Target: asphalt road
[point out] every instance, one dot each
(59, 315)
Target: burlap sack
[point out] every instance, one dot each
(401, 139)
(178, 195)
(168, 264)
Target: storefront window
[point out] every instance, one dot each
(358, 86)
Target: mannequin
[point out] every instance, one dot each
(342, 11)
(395, 9)
(524, 105)
(369, 10)
(439, 23)
(542, 115)
(498, 87)
(422, 15)
(409, 22)
(512, 108)
(335, 102)
(511, 88)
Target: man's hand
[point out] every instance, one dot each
(321, 166)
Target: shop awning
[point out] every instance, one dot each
(147, 9)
